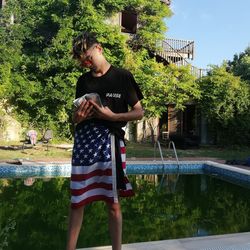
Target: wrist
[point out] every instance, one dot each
(115, 117)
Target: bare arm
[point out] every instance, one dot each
(136, 113)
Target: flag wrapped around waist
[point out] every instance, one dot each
(98, 167)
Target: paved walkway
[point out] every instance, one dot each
(240, 241)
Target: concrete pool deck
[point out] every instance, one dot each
(238, 241)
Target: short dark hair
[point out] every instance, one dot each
(83, 42)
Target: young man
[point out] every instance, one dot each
(98, 160)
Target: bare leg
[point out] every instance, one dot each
(115, 225)
(75, 223)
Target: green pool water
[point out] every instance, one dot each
(35, 217)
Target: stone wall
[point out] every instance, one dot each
(10, 129)
(142, 130)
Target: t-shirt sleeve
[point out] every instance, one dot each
(134, 93)
(77, 94)
(79, 87)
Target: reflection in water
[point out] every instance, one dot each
(169, 182)
(35, 217)
(29, 181)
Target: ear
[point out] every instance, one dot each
(99, 48)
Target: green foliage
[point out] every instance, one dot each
(5, 233)
(224, 96)
(151, 27)
(225, 102)
(240, 65)
(34, 213)
(173, 207)
(38, 75)
(162, 85)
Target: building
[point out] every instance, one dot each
(2, 3)
(186, 127)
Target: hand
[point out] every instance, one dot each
(83, 112)
(102, 112)
(105, 113)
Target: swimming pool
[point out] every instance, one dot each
(42, 169)
(192, 201)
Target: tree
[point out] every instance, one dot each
(161, 85)
(39, 81)
(225, 101)
(240, 66)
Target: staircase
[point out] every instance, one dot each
(178, 52)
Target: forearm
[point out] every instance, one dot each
(104, 113)
(131, 115)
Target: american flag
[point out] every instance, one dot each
(93, 174)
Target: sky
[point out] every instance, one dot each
(219, 28)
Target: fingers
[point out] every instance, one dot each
(90, 109)
(87, 108)
(95, 105)
(102, 112)
(97, 110)
(83, 105)
(84, 111)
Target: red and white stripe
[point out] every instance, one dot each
(129, 191)
(98, 182)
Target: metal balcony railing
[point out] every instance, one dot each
(184, 48)
(178, 52)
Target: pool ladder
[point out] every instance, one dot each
(157, 143)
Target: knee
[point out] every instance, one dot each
(114, 210)
(76, 211)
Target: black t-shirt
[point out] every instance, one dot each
(117, 89)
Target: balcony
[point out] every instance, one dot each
(175, 50)
(178, 52)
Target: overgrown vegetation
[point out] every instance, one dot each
(38, 74)
(225, 100)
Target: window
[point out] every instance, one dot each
(2, 3)
(129, 22)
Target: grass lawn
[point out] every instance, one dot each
(147, 150)
(138, 150)
(39, 153)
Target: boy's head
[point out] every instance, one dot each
(88, 51)
(82, 43)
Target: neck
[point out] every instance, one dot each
(101, 69)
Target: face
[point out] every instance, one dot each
(88, 59)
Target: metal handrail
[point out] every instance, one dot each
(157, 143)
(181, 46)
(194, 70)
(177, 47)
(175, 153)
(159, 147)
